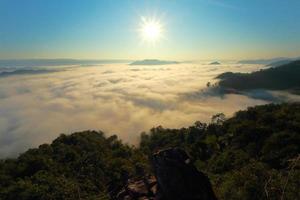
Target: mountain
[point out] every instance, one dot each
(84, 165)
(53, 62)
(27, 72)
(270, 62)
(279, 63)
(262, 61)
(253, 155)
(284, 77)
(152, 62)
(215, 63)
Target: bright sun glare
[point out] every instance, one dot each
(151, 30)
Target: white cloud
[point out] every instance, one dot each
(118, 99)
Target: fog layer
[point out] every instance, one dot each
(116, 98)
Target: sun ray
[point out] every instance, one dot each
(151, 30)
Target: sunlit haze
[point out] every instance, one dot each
(126, 66)
(150, 30)
(194, 29)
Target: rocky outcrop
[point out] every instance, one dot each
(176, 178)
(139, 189)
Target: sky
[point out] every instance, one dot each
(108, 29)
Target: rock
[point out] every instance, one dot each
(178, 178)
(141, 188)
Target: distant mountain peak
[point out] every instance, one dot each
(268, 62)
(153, 62)
(215, 63)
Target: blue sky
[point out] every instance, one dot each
(107, 29)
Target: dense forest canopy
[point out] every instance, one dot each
(284, 77)
(253, 155)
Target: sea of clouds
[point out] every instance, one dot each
(39, 103)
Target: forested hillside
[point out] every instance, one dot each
(284, 77)
(253, 155)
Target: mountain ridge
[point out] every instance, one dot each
(247, 156)
(283, 77)
(153, 62)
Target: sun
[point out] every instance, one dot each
(151, 30)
